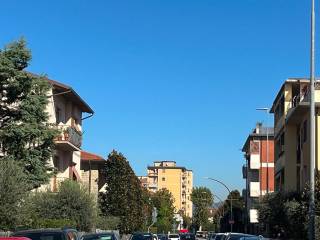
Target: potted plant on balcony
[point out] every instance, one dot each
(66, 134)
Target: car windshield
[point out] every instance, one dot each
(141, 237)
(173, 236)
(98, 237)
(219, 237)
(239, 236)
(41, 235)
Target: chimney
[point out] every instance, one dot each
(258, 127)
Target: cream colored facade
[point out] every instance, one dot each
(66, 110)
(178, 180)
(291, 134)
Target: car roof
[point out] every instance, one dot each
(43, 230)
(14, 238)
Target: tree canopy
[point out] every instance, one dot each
(123, 197)
(202, 199)
(26, 137)
(163, 201)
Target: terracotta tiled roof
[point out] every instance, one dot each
(86, 156)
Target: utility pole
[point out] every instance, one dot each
(312, 127)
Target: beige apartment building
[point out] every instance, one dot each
(66, 110)
(291, 133)
(178, 180)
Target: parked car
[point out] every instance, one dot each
(187, 236)
(220, 236)
(172, 236)
(238, 236)
(143, 236)
(101, 236)
(48, 234)
(162, 236)
(14, 238)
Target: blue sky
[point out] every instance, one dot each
(168, 79)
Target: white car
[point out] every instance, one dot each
(173, 237)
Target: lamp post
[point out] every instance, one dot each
(231, 213)
(312, 126)
(267, 111)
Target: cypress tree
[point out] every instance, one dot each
(123, 197)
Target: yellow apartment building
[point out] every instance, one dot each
(178, 180)
(291, 134)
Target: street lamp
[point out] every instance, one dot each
(312, 127)
(231, 214)
(267, 111)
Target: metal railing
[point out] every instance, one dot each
(70, 134)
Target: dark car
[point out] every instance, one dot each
(238, 236)
(101, 236)
(162, 236)
(187, 236)
(143, 236)
(48, 234)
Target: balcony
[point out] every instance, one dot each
(253, 216)
(254, 189)
(153, 185)
(69, 139)
(254, 161)
(152, 174)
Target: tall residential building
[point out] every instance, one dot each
(291, 128)
(178, 180)
(258, 170)
(66, 110)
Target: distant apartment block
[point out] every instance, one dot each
(143, 181)
(258, 170)
(92, 172)
(178, 180)
(291, 121)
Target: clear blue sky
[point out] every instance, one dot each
(168, 79)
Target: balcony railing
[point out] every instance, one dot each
(153, 185)
(301, 97)
(254, 189)
(69, 138)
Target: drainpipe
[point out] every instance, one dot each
(89, 176)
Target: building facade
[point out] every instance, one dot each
(291, 127)
(66, 111)
(258, 170)
(178, 180)
(92, 173)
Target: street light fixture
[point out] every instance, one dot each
(231, 213)
(267, 111)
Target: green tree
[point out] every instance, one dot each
(72, 205)
(284, 212)
(163, 201)
(123, 197)
(25, 135)
(202, 199)
(238, 209)
(13, 191)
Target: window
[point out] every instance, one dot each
(163, 179)
(163, 170)
(58, 115)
